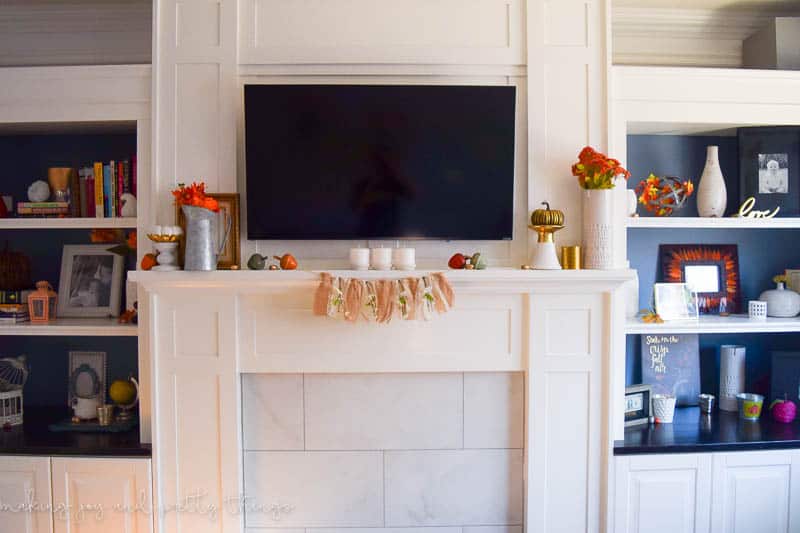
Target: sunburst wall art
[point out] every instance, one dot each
(711, 270)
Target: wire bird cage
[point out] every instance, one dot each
(13, 375)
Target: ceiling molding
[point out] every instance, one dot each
(686, 37)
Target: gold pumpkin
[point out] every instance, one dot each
(547, 217)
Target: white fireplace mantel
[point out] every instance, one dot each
(201, 331)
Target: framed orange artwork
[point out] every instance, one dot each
(710, 270)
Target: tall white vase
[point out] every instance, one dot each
(597, 228)
(731, 375)
(712, 196)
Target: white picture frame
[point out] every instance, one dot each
(90, 284)
(675, 301)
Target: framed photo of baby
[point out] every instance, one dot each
(91, 281)
(769, 168)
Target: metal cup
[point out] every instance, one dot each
(105, 414)
(706, 403)
(571, 257)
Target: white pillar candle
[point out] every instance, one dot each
(403, 258)
(381, 258)
(359, 258)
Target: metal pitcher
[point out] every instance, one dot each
(202, 236)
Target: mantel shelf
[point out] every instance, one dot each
(716, 324)
(713, 223)
(66, 223)
(85, 327)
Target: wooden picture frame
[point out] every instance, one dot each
(769, 168)
(230, 257)
(638, 405)
(90, 284)
(717, 275)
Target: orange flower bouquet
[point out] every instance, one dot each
(663, 195)
(595, 170)
(194, 195)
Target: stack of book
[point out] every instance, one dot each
(95, 191)
(14, 313)
(27, 209)
(14, 297)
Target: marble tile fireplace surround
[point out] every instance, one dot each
(488, 419)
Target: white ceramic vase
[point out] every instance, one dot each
(597, 228)
(712, 196)
(781, 302)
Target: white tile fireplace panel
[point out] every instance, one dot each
(272, 411)
(492, 529)
(383, 411)
(429, 488)
(321, 489)
(493, 410)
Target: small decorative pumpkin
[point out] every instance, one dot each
(547, 216)
(15, 270)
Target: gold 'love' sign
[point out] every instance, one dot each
(747, 210)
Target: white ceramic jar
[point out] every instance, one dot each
(781, 302)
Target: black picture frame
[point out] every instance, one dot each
(779, 148)
(638, 405)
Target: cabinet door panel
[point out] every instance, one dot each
(752, 492)
(667, 493)
(24, 481)
(101, 495)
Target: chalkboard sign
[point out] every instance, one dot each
(671, 364)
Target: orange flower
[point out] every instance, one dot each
(195, 195)
(103, 236)
(131, 240)
(595, 170)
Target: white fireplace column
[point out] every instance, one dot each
(207, 329)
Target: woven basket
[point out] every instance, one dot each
(15, 270)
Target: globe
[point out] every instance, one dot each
(122, 392)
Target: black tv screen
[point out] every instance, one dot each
(364, 161)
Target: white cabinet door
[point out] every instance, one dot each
(25, 495)
(100, 495)
(662, 493)
(756, 491)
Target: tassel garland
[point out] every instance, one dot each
(381, 300)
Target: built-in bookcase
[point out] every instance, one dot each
(71, 117)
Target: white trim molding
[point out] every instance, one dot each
(684, 37)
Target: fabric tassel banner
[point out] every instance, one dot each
(381, 300)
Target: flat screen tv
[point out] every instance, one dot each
(379, 162)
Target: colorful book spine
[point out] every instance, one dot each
(134, 173)
(75, 194)
(106, 191)
(126, 176)
(98, 190)
(120, 187)
(90, 198)
(82, 182)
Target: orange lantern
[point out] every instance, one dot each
(42, 303)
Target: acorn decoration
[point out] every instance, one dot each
(546, 222)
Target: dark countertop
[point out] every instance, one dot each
(33, 438)
(692, 431)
